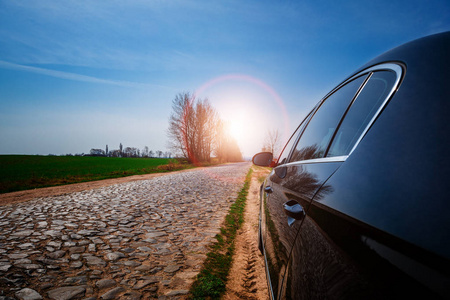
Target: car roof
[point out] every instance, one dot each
(426, 51)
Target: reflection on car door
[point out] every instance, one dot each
(293, 185)
(317, 269)
(275, 235)
(301, 184)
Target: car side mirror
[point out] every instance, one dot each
(263, 159)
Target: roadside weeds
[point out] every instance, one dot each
(234, 268)
(211, 281)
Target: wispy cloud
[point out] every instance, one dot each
(74, 76)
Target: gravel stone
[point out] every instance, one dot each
(28, 294)
(76, 264)
(56, 254)
(67, 293)
(112, 294)
(144, 283)
(17, 255)
(105, 283)
(22, 233)
(79, 280)
(95, 261)
(114, 256)
(171, 269)
(177, 293)
(5, 268)
(133, 295)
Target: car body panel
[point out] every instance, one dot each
(377, 222)
(278, 234)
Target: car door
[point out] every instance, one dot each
(293, 183)
(276, 246)
(317, 268)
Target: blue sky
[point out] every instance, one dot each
(76, 75)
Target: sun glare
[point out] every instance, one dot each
(237, 129)
(248, 106)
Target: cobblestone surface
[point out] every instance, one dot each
(137, 240)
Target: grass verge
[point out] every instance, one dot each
(211, 281)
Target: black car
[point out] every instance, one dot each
(357, 205)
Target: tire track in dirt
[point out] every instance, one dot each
(250, 275)
(247, 279)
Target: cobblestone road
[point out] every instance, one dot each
(137, 240)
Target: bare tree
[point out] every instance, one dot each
(114, 153)
(131, 152)
(192, 127)
(205, 123)
(272, 142)
(97, 152)
(145, 152)
(180, 123)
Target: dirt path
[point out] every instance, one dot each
(247, 279)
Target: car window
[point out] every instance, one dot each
(287, 149)
(361, 112)
(318, 133)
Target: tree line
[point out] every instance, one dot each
(197, 133)
(129, 152)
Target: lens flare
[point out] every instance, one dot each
(249, 106)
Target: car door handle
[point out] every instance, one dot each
(294, 211)
(268, 189)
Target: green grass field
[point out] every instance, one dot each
(22, 172)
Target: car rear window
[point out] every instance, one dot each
(318, 133)
(361, 112)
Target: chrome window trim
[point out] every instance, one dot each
(318, 160)
(299, 134)
(399, 71)
(397, 68)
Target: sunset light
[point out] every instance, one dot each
(141, 139)
(78, 75)
(246, 103)
(237, 129)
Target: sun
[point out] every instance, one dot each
(242, 122)
(247, 106)
(237, 129)
(237, 121)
